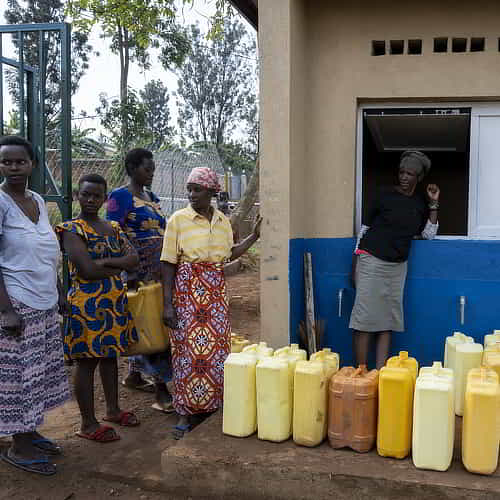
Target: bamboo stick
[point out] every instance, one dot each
(309, 294)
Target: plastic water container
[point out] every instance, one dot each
(310, 411)
(293, 348)
(450, 347)
(240, 399)
(238, 343)
(395, 411)
(274, 406)
(492, 338)
(434, 418)
(480, 427)
(326, 355)
(352, 414)
(261, 350)
(467, 356)
(404, 361)
(291, 357)
(491, 358)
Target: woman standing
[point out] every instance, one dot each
(100, 326)
(32, 375)
(198, 241)
(139, 214)
(380, 258)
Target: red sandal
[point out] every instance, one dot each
(105, 434)
(124, 418)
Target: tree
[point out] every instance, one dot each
(157, 113)
(216, 87)
(47, 11)
(133, 26)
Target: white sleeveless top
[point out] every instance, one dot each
(29, 254)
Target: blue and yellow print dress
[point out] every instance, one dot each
(100, 325)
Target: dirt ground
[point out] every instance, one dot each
(139, 449)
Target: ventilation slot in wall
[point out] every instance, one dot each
(459, 45)
(378, 47)
(397, 47)
(440, 44)
(477, 44)
(414, 47)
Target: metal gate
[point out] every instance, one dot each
(26, 74)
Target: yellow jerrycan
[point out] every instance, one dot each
(492, 338)
(395, 406)
(467, 356)
(146, 306)
(310, 412)
(274, 406)
(434, 418)
(292, 358)
(238, 342)
(239, 414)
(292, 348)
(450, 347)
(404, 361)
(491, 358)
(480, 428)
(261, 350)
(326, 355)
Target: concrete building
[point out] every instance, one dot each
(345, 87)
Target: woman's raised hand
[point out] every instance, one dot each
(433, 192)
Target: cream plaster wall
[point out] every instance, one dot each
(316, 66)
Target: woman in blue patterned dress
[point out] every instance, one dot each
(138, 212)
(100, 326)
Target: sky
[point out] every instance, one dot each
(103, 74)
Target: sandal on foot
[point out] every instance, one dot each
(164, 407)
(37, 466)
(47, 446)
(124, 418)
(105, 434)
(143, 386)
(179, 430)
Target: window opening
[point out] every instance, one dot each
(378, 47)
(397, 47)
(414, 47)
(441, 44)
(477, 44)
(459, 45)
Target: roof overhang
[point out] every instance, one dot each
(249, 10)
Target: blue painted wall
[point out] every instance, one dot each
(439, 272)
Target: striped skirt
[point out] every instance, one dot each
(378, 306)
(202, 341)
(32, 375)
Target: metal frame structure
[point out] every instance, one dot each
(31, 107)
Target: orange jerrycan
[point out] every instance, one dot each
(395, 406)
(239, 415)
(146, 306)
(480, 428)
(352, 415)
(433, 418)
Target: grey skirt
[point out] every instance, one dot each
(379, 295)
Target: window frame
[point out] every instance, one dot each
(478, 110)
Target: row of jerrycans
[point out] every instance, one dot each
(278, 393)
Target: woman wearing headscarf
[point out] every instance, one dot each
(380, 258)
(198, 240)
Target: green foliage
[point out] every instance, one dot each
(47, 11)
(157, 113)
(216, 88)
(237, 157)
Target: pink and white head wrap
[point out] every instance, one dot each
(205, 177)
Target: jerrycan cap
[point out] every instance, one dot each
(403, 355)
(294, 346)
(437, 367)
(329, 349)
(359, 370)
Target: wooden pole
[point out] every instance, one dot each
(309, 294)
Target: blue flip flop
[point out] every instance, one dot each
(47, 469)
(179, 430)
(47, 446)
